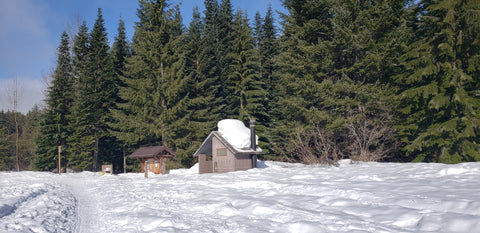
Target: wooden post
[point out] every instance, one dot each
(162, 165)
(145, 168)
(124, 160)
(59, 164)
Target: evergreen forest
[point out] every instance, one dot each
(367, 80)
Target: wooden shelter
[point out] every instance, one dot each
(217, 155)
(153, 158)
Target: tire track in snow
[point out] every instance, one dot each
(40, 206)
(6, 210)
(87, 213)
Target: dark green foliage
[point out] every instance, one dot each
(28, 131)
(115, 146)
(322, 69)
(80, 52)
(154, 91)
(120, 50)
(341, 79)
(7, 141)
(267, 49)
(195, 121)
(95, 97)
(55, 127)
(439, 99)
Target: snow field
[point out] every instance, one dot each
(31, 202)
(280, 197)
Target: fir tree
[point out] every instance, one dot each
(210, 69)
(56, 125)
(151, 77)
(269, 49)
(200, 118)
(439, 100)
(120, 51)
(248, 96)
(321, 81)
(7, 142)
(95, 98)
(80, 52)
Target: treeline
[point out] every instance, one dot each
(18, 155)
(366, 80)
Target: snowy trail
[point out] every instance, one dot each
(87, 207)
(281, 197)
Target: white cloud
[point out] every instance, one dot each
(26, 52)
(30, 92)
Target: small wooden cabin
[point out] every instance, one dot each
(217, 155)
(153, 158)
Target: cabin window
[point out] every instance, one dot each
(156, 164)
(221, 152)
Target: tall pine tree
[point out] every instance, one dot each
(323, 81)
(93, 102)
(120, 51)
(152, 88)
(439, 102)
(56, 127)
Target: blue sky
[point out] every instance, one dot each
(30, 33)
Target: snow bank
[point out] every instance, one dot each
(235, 132)
(281, 197)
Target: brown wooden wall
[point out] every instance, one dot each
(222, 163)
(204, 166)
(155, 165)
(243, 162)
(228, 162)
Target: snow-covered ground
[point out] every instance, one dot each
(280, 197)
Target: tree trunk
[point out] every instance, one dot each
(15, 106)
(95, 155)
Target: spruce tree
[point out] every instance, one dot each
(322, 71)
(200, 117)
(153, 86)
(55, 127)
(248, 98)
(225, 59)
(6, 148)
(95, 98)
(120, 51)
(439, 99)
(80, 52)
(210, 68)
(269, 49)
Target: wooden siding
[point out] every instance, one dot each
(204, 165)
(243, 162)
(228, 162)
(156, 166)
(222, 163)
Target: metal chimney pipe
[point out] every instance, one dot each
(253, 139)
(253, 142)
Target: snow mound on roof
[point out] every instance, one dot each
(236, 133)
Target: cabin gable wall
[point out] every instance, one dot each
(223, 159)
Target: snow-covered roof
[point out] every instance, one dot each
(234, 135)
(235, 132)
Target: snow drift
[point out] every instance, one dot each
(281, 197)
